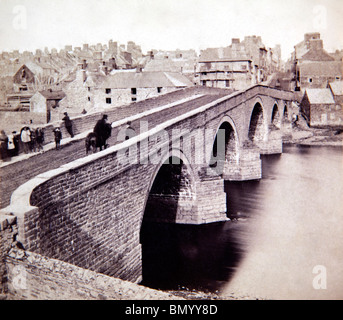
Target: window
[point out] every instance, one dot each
(133, 99)
(227, 83)
(108, 100)
(89, 98)
(310, 80)
(133, 91)
(338, 78)
(89, 88)
(159, 89)
(108, 91)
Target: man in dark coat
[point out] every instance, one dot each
(68, 124)
(102, 132)
(3, 145)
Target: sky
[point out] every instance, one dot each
(167, 24)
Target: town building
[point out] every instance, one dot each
(312, 66)
(78, 88)
(46, 103)
(320, 108)
(124, 87)
(183, 61)
(239, 65)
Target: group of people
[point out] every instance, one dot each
(31, 140)
(28, 140)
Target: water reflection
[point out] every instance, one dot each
(299, 226)
(282, 227)
(199, 257)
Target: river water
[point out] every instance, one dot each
(284, 240)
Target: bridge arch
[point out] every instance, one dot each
(225, 146)
(276, 117)
(170, 197)
(257, 128)
(285, 113)
(172, 190)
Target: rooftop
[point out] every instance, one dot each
(337, 88)
(321, 68)
(320, 96)
(145, 79)
(317, 55)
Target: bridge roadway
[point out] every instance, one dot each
(15, 174)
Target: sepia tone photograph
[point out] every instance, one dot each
(179, 150)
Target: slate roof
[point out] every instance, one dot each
(337, 88)
(223, 54)
(145, 79)
(317, 55)
(320, 96)
(321, 68)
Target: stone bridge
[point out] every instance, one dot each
(89, 212)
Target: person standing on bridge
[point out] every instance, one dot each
(58, 137)
(25, 137)
(3, 145)
(68, 124)
(40, 138)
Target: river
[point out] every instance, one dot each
(284, 240)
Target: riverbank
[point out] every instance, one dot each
(200, 295)
(316, 137)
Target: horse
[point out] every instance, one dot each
(90, 142)
(98, 139)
